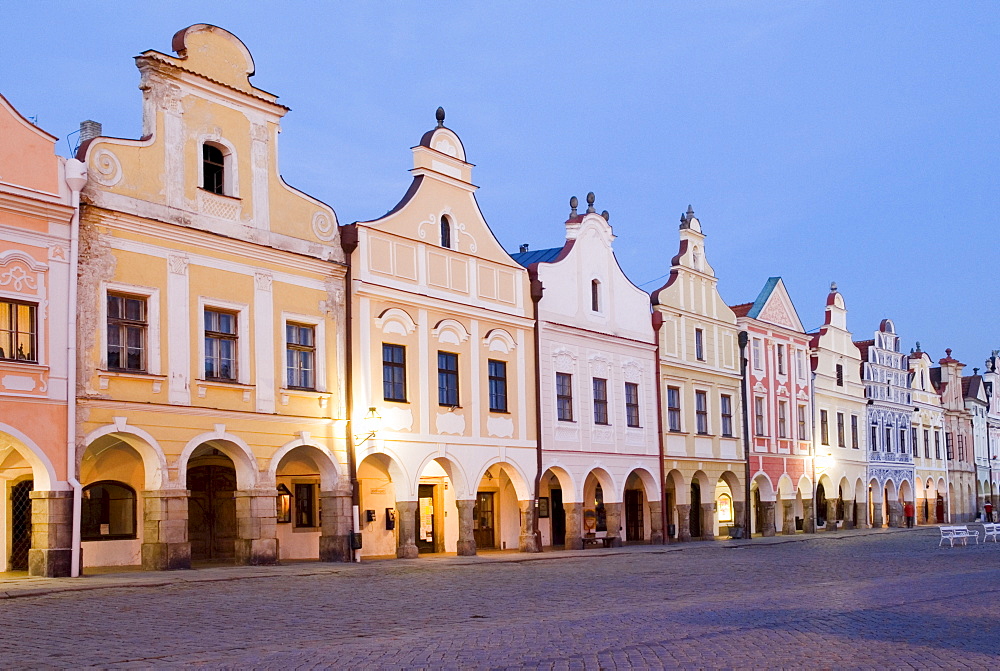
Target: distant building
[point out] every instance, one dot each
(779, 390)
(886, 374)
(700, 398)
(597, 389)
(947, 379)
(927, 436)
(39, 194)
(839, 419)
(976, 405)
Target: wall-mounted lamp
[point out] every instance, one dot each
(284, 504)
(370, 425)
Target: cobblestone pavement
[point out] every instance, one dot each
(852, 599)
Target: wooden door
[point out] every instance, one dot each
(634, 523)
(483, 521)
(212, 512)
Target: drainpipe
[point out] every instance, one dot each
(349, 242)
(664, 513)
(743, 339)
(812, 448)
(536, 295)
(76, 178)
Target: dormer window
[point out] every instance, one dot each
(213, 169)
(445, 233)
(595, 295)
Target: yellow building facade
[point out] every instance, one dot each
(211, 402)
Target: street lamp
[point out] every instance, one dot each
(371, 423)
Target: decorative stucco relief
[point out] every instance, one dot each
(632, 371)
(599, 366)
(397, 419)
(324, 227)
(563, 360)
(501, 427)
(450, 422)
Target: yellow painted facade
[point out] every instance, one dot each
(212, 308)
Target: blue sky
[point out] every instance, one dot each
(819, 141)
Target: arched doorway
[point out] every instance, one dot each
(820, 504)
(503, 515)
(695, 510)
(212, 532)
(556, 494)
(639, 522)
(311, 505)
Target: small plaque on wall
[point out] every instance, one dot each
(543, 506)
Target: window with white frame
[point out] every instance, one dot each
(126, 334)
(632, 404)
(701, 411)
(673, 409)
(758, 354)
(221, 344)
(18, 331)
(726, 411)
(300, 355)
(758, 416)
(782, 419)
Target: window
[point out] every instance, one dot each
(445, 233)
(305, 504)
(913, 440)
(758, 354)
(854, 431)
(840, 375)
(902, 441)
(300, 356)
(220, 345)
(937, 444)
(726, 407)
(961, 447)
(632, 404)
(394, 373)
(673, 408)
(927, 444)
(213, 169)
(824, 427)
(127, 333)
(600, 401)
(107, 511)
(888, 439)
(564, 397)
(701, 411)
(841, 439)
(874, 438)
(801, 363)
(498, 385)
(758, 416)
(782, 419)
(781, 359)
(803, 427)
(595, 295)
(448, 379)
(18, 332)
(699, 344)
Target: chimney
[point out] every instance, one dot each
(524, 248)
(89, 130)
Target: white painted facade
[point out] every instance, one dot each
(594, 327)
(929, 455)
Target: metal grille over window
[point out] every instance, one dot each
(447, 379)
(20, 526)
(18, 332)
(127, 333)
(220, 345)
(300, 356)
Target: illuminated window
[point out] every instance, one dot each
(18, 331)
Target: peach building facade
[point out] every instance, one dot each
(39, 195)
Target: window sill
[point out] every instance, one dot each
(203, 385)
(499, 412)
(305, 530)
(395, 400)
(322, 397)
(213, 194)
(105, 377)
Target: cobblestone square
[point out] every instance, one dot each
(861, 599)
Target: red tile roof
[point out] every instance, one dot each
(742, 309)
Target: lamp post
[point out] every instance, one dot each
(743, 339)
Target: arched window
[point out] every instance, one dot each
(595, 295)
(108, 511)
(445, 232)
(213, 169)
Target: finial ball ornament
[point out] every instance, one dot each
(439, 115)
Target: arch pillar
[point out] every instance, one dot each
(849, 514)
(528, 540)
(574, 523)
(406, 542)
(335, 533)
(877, 514)
(466, 535)
(767, 518)
(708, 521)
(165, 544)
(256, 526)
(739, 515)
(995, 500)
(51, 552)
(808, 516)
(787, 517)
(656, 522)
(896, 514)
(831, 514)
(683, 521)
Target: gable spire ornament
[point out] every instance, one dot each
(573, 202)
(439, 115)
(590, 203)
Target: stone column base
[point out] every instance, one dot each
(787, 517)
(256, 527)
(50, 555)
(406, 546)
(337, 521)
(574, 525)
(166, 556)
(809, 518)
(683, 521)
(655, 523)
(528, 541)
(877, 515)
(708, 521)
(466, 536)
(613, 512)
(767, 513)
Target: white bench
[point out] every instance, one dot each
(958, 532)
(990, 531)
